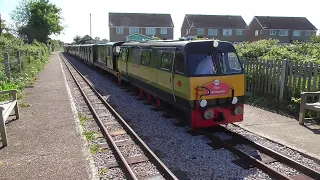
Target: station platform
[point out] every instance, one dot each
(284, 130)
(45, 143)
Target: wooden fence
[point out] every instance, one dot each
(281, 79)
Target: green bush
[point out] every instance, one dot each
(33, 58)
(271, 50)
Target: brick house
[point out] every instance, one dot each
(123, 24)
(223, 27)
(285, 29)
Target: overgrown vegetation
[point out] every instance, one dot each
(33, 58)
(34, 46)
(271, 50)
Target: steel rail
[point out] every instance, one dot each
(167, 174)
(279, 157)
(105, 131)
(256, 162)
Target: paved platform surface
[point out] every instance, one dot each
(283, 129)
(45, 143)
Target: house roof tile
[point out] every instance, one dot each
(221, 21)
(276, 22)
(140, 20)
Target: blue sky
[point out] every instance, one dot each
(76, 13)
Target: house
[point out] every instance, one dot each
(123, 24)
(84, 40)
(223, 27)
(285, 29)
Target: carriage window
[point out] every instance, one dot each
(136, 56)
(166, 60)
(179, 63)
(229, 63)
(108, 51)
(124, 54)
(145, 57)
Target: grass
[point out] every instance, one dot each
(90, 135)
(102, 172)
(83, 118)
(94, 148)
(23, 104)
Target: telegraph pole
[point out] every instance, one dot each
(90, 25)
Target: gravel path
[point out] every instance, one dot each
(179, 150)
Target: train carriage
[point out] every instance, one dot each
(105, 56)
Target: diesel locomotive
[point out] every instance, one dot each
(202, 79)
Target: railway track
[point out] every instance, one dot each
(120, 136)
(262, 160)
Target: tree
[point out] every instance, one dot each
(21, 14)
(76, 39)
(37, 19)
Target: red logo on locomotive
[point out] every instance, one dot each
(217, 88)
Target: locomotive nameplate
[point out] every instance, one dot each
(217, 88)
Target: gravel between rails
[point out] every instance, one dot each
(179, 150)
(294, 155)
(99, 147)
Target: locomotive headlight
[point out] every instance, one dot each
(203, 103)
(238, 110)
(208, 114)
(215, 43)
(234, 100)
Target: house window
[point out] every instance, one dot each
(133, 30)
(164, 31)
(296, 33)
(200, 31)
(213, 32)
(308, 33)
(150, 31)
(256, 32)
(273, 32)
(283, 33)
(119, 30)
(227, 32)
(239, 32)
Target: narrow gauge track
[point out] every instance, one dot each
(97, 104)
(260, 161)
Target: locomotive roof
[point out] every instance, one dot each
(110, 43)
(187, 45)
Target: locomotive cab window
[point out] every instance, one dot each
(201, 64)
(166, 60)
(229, 63)
(179, 63)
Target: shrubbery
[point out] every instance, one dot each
(33, 58)
(271, 50)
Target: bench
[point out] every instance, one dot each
(6, 108)
(310, 106)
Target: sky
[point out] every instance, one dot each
(76, 13)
